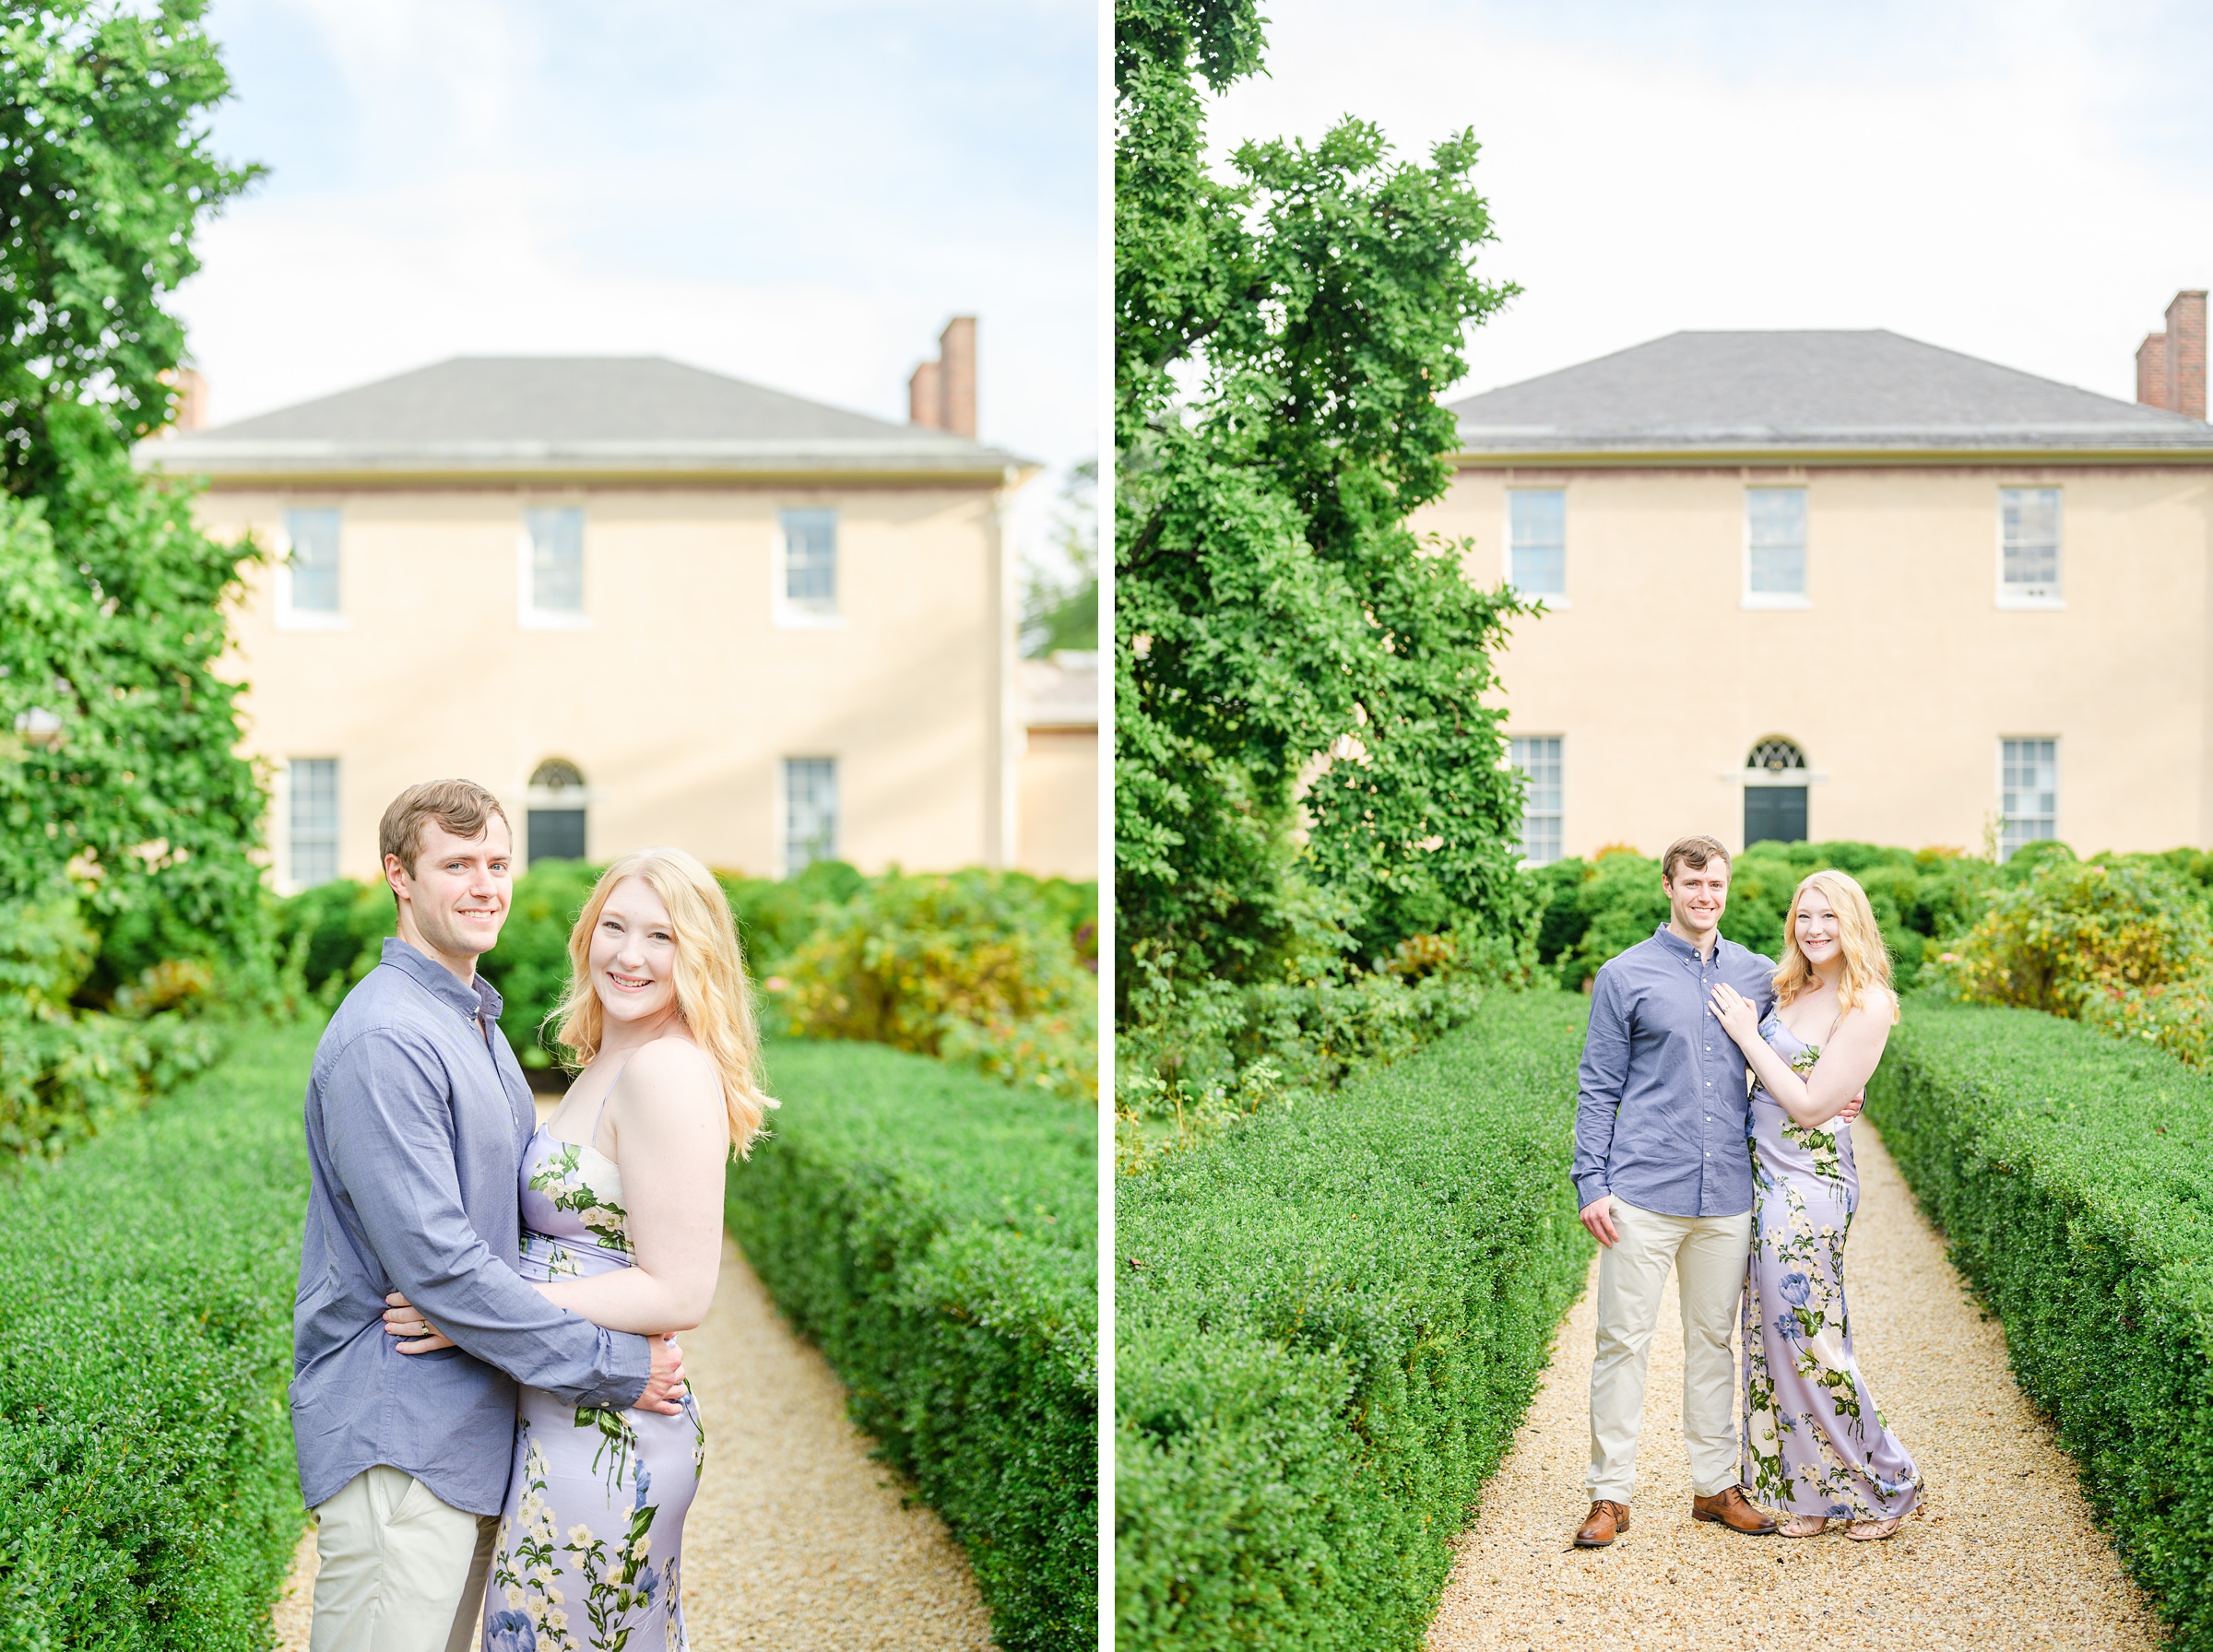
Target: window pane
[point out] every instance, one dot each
(2028, 792)
(315, 823)
(811, 560)
(1537, 519)
(2029, 523)
(1775, 533)
(809, 811)
(314, 561)
(556, 560)
(1538, 758)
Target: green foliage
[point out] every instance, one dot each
(111, 600)
(331, 934)
(972, 966)
(147, 1500)
(2072, 928)
(66, 1074)
(1281, 337)
(1328, 1326)
(1062, 611)
(2068, 1173)
(935, 1234)
(775, 915)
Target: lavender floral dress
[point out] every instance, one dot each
(591, 1538)
(1815, 1444)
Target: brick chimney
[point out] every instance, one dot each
(941, 395)
(2171, 366)
(189, 391)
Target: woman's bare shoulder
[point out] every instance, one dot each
(1878, 1003)
(671, 1066)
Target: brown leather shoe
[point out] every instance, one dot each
(1608, 1520)
(1728, 1508)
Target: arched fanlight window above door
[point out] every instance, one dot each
(1775, 781)
(558, 800)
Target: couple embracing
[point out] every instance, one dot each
(488, 1404)
(1747, 1197)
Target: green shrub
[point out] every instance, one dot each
(2072, 928)
(2069, 1174)
(331, 934)
(935, 1234)
(67, 1073)
(146, 1491)
(974, 967)
(1328, 1325)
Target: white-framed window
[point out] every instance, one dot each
(307, 572)
(312, 842)
(1536, 543)
(806, 570)
(2028, 534)
(550, 577)
(1538, 758)
(2028, 793)
(1775, 547)
(809, 812)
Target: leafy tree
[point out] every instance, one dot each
(116, 736)
(1281, 336)
(1062, 611)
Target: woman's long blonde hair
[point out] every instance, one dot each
(1859, 937)
(711, 992)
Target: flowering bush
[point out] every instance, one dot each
(972, 966)
(2078, 931)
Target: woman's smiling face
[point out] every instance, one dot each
(633, 954)
(1819, 934)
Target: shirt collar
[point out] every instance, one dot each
(1683, 949)
(471, 998)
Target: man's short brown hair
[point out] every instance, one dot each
(462, 806)
(1693, 851)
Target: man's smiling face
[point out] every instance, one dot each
(1696, 896)
(456, 897)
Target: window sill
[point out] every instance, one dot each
(533, 619)
(2007, 600)
(799, 619)
(1774, 600)
(1550, 601)
(310, 619)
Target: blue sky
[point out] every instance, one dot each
(798, 195)
(2027, 181)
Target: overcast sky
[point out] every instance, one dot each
(797, 195)
(2026, 181)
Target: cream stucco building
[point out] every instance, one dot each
(642, 602)
(1849, 585)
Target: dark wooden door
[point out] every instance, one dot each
(556, 834)
(1774, 814)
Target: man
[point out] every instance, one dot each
(417, 1118)
(1665, 1179)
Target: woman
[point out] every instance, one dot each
(621, 1204)
(1815, 1447)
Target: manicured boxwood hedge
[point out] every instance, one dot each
(2071, 1172)
(1327, 1323)
(147, 1492)
(935, 1234)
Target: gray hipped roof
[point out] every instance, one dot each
(567, 416)
(1809, 394)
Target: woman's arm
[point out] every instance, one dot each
(1848, 1059)
(668, 1120)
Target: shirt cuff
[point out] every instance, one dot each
(1589, 1190)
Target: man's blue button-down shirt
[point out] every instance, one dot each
(1660, 1113)
(417, 1118)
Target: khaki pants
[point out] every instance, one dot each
(399, 1570)
(1709, 1256)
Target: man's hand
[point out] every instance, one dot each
(664, 1387)
(1598, 1217)
(1851, 1110)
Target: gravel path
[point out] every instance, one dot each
(797, 1540)
(2002, 1554)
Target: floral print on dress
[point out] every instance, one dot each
(1814, 1441)
(590, 1540)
